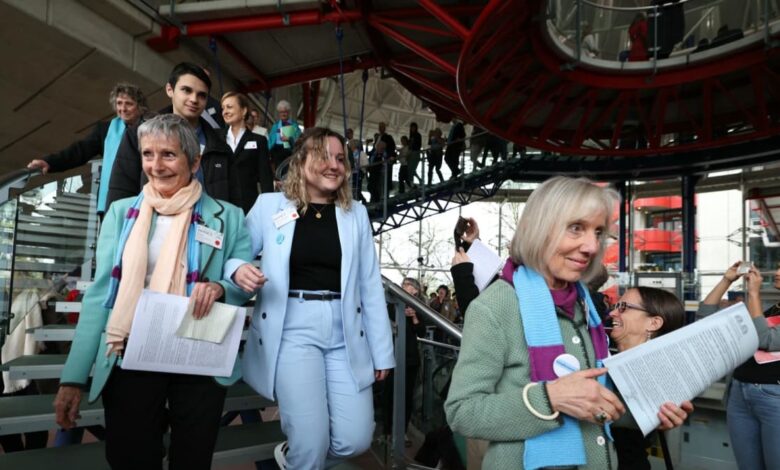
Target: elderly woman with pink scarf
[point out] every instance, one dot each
(151, 241)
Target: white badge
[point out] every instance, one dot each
(209, 236)
(285, 216)
(202, 149)
(250, 145)
(212, 111)
(565, 364)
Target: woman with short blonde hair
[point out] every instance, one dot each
(530, 376)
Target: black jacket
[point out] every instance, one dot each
(127, 177)
(80, 152)
(249, 166)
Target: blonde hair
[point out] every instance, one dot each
(550, 209)
(243, 102)
(314, 143)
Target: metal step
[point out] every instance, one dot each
(235, 445)
(35, 412)
(69, 206)
(56, 230)
(49, 240)
(36, 366)
(67, 332)
(65, 214)
(59, 222)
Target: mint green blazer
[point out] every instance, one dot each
(89, 343)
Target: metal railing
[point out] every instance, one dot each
(698, 24)
(400, 299)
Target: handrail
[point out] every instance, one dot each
(638, 8)
(438, 344)
(447, 326)
(15, 180)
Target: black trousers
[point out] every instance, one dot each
(137, 417)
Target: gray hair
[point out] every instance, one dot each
(283, 105)
(172, 126)
(550, 209)
(132, 91)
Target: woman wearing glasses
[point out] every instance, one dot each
(644, 313)
(753, 403)
(529, 377)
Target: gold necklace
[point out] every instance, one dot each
(318, 212)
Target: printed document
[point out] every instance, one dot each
(213, 327)
(682, 364)
(486, 263)
(154, 346)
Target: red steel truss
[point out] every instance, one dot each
(499, 70)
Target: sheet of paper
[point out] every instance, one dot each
(154, 346)
(681, 365)
(213, 327)
(486, 263)
(765, 357)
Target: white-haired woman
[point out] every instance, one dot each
(149, 241)
(529, 377)
(320, 334)
(283, 134)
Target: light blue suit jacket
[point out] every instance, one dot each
(367, 332)
(89, 344)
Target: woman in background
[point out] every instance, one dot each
(250, 165)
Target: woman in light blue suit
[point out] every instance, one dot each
(152, 241)
(320, 334)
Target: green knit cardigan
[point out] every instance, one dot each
(485, 399)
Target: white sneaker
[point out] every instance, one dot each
(280, 454)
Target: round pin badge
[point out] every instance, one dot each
(565, 364)
(279, 239)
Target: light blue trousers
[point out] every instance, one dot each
(326, 419)
(753, 416)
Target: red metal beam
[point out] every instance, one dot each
(437, 87)
(314, 73)
(243, 60)
(444, 17)
(413, 26)
(415, 47)
(169, 35)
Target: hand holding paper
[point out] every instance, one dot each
(680, 365)
(212, 327)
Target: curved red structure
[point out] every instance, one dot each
(510, 80)
(496, 64)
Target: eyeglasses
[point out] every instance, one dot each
(622, 306)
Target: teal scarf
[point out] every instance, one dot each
(116, 130)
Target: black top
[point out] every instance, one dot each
(315, 259)
(248, 167)
(752, 372)
(79, 152)
(415, 141)
(465, 287)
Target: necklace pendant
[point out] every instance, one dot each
(318, 215)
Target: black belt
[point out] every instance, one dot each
(314, 296)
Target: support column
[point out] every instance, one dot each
(622, 225)
(311, 93)
(689, 234)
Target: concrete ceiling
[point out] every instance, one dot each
(63, 56)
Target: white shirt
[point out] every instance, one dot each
(161, 229)
(233, 141)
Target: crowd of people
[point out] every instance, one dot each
(320, 335)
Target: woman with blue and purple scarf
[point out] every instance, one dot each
(530, 378)
(171, 238)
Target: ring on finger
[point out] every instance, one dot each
(601, 417)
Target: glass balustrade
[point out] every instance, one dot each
(630, 31)
(49, 233)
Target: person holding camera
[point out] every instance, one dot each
(753, 400)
